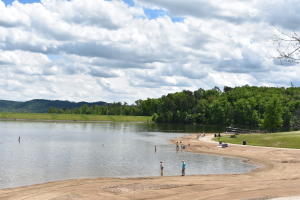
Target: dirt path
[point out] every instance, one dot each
(279, 176)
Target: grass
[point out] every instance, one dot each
(73, 117)
(282, 139)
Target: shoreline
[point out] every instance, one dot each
(278, 176)
(260, 165)
(51, 117)
(71, 121)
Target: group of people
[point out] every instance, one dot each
(201, 135)
(183, 166)
(180, 145)
(217, 135)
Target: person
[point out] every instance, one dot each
(183, 165)
(19, 139)
(181, 145)
(155, 148)
(177, 147)
(161, 168)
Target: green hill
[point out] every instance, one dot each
(41, 105)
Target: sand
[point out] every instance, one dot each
(278, 176)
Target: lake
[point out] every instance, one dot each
(50, 151)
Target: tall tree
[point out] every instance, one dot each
(273, 115)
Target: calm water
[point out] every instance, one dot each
(58, 151)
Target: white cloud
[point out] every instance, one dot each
(282, 13)
(234, 11)
(96, 50)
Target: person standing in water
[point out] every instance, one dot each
(161, 168)
(183, 165)
(177, 147)
(155, 148)
(181, 145)
(19, 139)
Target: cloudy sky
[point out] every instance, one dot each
(124, 50)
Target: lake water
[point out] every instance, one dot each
(58, 151)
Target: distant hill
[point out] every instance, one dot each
(40, 105)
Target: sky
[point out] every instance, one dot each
(125, 50)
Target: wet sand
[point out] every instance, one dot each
(277, 176)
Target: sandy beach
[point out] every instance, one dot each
(278, 175)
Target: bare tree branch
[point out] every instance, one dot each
(288, 46)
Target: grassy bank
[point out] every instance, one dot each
(282, 139)
(73, 117)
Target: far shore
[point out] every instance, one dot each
(67, 121)
(278, 176)
(47, 117)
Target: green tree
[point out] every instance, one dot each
(273, 116)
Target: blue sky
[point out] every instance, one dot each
(22, 1)
(100, 50)
(129, 2)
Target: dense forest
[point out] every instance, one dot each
(267, 108)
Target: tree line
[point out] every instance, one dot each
(267, 108)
